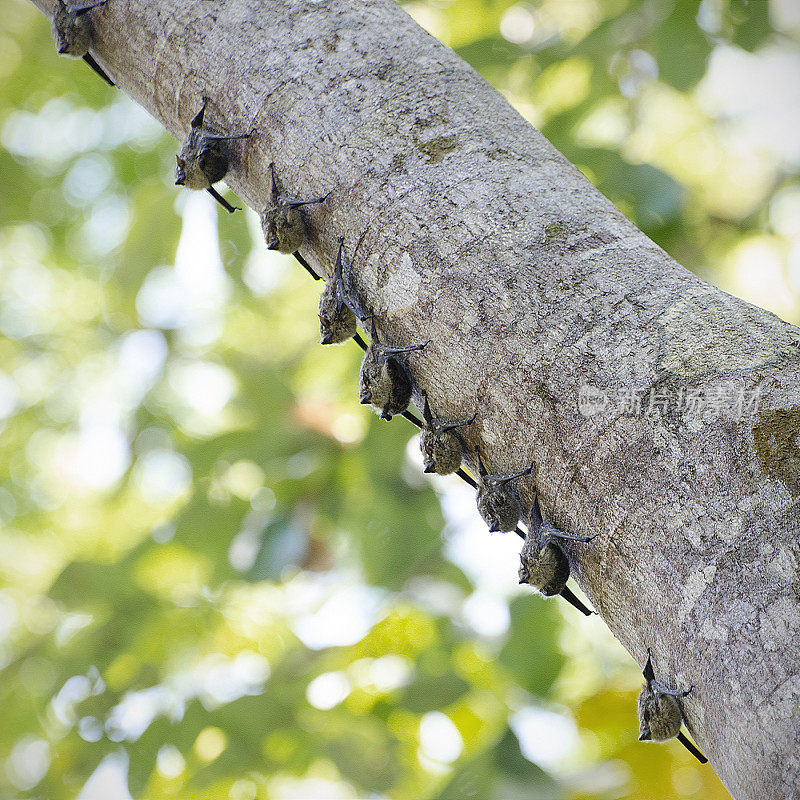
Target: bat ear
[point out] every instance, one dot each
(536, 514)
(197, 122)
(648, 671)
(273, 188)
(426, 409)
(360, 238)
(337, 266)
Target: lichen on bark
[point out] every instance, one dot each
(777, 441)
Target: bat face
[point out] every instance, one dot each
(441, 448)
(374, 381)
(546, 570)
(659, 716)
(283, 227)
(337, 323)
(498, 506)
(72, 32)
(441, 451)
(204, 158)
(282, 221)
(201, 162)
(384, 383)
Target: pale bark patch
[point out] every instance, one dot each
(741, 336)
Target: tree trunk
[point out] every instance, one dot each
(549, 311)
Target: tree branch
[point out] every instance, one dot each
(537, 295)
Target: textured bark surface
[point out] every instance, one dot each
(532, 286)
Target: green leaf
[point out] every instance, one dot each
(680, 46)
(530, 652)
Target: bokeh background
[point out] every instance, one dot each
(221, 577)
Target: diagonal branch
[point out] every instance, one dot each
(546, 307)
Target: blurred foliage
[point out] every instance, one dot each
(222, 578)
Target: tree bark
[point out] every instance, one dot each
(542, 303)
